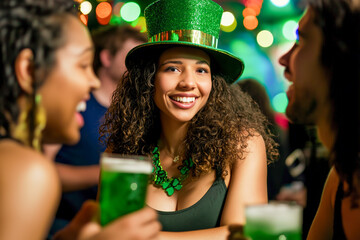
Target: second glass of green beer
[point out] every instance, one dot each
(274, 221)
(123, 184)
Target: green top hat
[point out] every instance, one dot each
(193, 23)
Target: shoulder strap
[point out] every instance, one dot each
(218, 172)
(338, 228)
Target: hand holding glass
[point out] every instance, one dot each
(123, 184)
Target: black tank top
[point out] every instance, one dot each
(204, 214)
(338, 228)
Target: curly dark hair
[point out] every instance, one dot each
(339, 21)
(36, 25)
(132, 124)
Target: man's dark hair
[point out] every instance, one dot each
(112, 38)
(339, 21)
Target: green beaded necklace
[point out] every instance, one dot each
(160, 176)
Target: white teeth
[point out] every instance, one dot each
(81, 107)
(184, 99)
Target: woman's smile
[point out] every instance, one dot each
(182, 82)
(183, 102)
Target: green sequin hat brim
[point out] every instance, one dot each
(222, 62)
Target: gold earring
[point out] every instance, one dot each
(22, 130)
(39, 122)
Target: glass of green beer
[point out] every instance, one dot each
(274, 221)
(123, 184)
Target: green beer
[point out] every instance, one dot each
(274, 221)
(124, 180)
(267, 234)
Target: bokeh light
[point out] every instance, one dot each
(255, 7)
(84, 19)
(280, 3)
(250, 22)
(265, 38)
(103, 10)
(230, 28)
(104, 21)
(141, 24)
(279, 102)
(85, 7)
(103, 13)
(115, 20)
(227, 19)
(289, 30)
(249, 12)
(130, 11)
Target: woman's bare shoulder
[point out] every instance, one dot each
(25, 164)
(254, 142)
(29, 187)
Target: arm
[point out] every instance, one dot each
(51, 150)
(248, 183)
(72, 177)
(247, 186)
(77, 177)
(295, 192)
(322, 226)
(29, 193)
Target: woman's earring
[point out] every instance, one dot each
(39, 122)
(22, 130)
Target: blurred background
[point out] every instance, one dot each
(257, 31)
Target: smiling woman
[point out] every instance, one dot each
(209, 146)
(73, 75)
(46, 76)
(39, 64)
(182, 83)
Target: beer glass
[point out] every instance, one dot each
(123, 184)
(274, 221)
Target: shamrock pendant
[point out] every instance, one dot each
(171, 186)
(160, 176)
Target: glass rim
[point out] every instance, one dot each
(126, 163)
(275, 203)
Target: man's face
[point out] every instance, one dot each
(308, 94)
(117, 66)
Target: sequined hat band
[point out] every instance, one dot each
(192, 36)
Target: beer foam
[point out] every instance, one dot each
(125, 164)
(276, 218)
